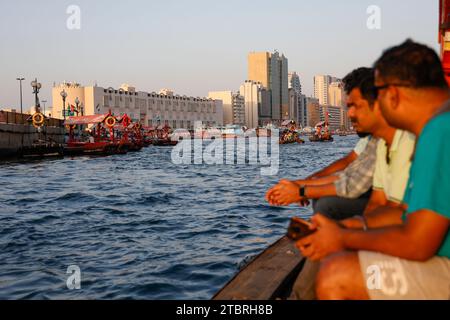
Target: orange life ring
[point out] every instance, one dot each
(110, 122)
(38, 119)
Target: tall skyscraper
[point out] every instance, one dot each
(321, 87)
(271, 70)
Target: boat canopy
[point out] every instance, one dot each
(321, 124)
(98, 118)
(287, 123)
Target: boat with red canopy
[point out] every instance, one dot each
(92, 135)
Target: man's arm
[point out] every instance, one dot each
(317, 192)
(418, 240)
(318, 181)
(377, 199)
(335, 166)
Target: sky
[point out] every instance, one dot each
(194, 46)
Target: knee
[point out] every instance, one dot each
(324, 205)
(334, 276)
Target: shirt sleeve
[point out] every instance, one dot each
(361, 146)
(401, 168)
(429, 186)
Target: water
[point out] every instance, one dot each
(138, 226)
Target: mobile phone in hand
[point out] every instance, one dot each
(299, 229)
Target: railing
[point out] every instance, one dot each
(20, 118)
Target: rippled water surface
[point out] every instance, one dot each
(138, 226)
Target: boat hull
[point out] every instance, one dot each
(270, 276)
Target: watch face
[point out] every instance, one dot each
(302, 192)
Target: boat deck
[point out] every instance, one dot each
(270, 276)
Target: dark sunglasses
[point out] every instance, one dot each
(385, 86)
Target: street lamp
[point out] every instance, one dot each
(44, 102)
(64, 96)
(77, 104)
(36, 88)
(20, 79)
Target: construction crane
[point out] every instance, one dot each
(444, 35)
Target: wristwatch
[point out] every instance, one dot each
(363, 221)
(302, 191)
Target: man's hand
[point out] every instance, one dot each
(352, 223)
(284, 194)
(325, 241)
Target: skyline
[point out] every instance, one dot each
(170, 47)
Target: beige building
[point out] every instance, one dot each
(314, 112)
(336, 94)
(271, 70)
(149, 108)
(334, 118)
(233, 106)
(321, 88)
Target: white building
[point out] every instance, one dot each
(257, 104)
(149, 108)
(233, 106)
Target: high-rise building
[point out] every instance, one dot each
(148, 108)
(257, 104)
(294, 100)
(334, 116)
(271, 70)
(336, 95)
(302, 111)
(294, 82)
(233, 106)
(314, 112)
(321, 87)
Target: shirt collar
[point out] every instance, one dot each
(396, 142)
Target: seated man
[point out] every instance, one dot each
(393, 162)
(392, 166)
(345, 185)
(410, 259)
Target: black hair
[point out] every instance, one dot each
(412, 64)
(364, 80)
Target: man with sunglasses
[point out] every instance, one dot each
(409, 260)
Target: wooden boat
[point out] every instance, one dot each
(90, 148)
(316, 138)
(162, 136)
(322, 133)
(164, 143)
(97, 143)
(270, 276)
(289, 133)
(42, 149)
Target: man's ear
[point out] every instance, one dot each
(394, 97)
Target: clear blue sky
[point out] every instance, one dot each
(195, 46)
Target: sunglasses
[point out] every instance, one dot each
(377, 89)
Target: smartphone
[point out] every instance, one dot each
(299, 229)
